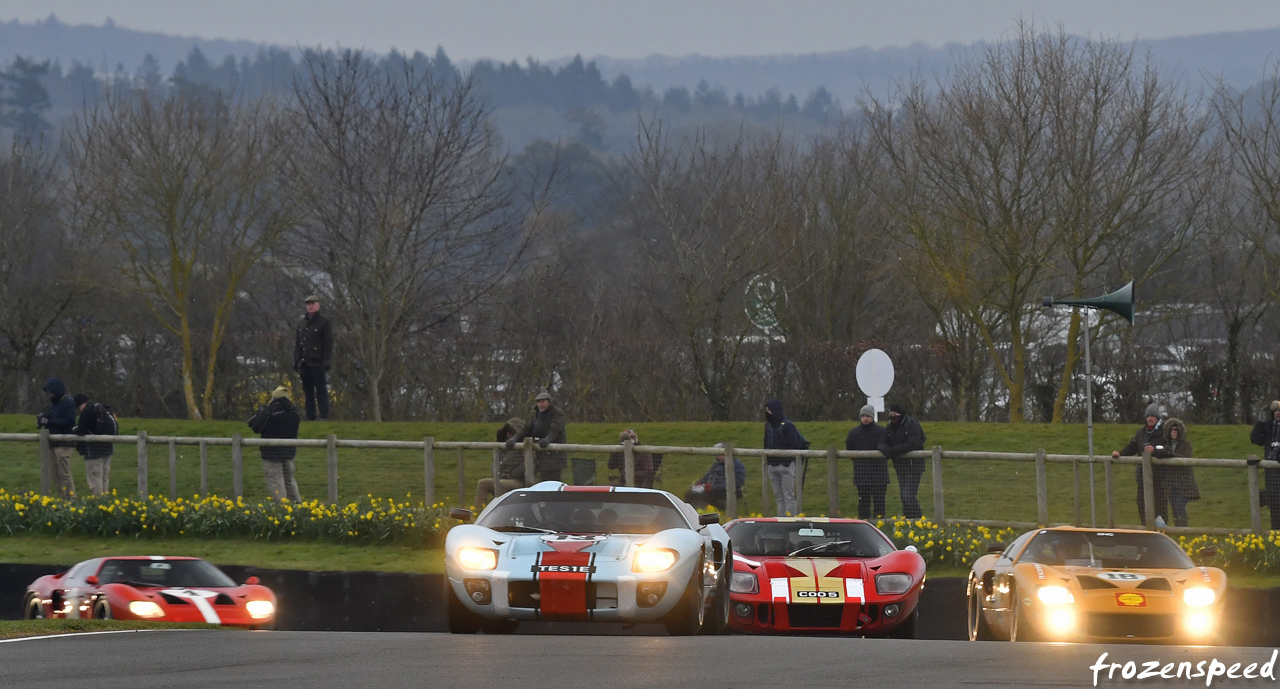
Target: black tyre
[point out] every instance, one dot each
(32, 609)
(1020, 628)
(102, 610)
(907, 628)
(461, 619)
(499, 626)
(717, 620)
(979, 630)
(686, 618)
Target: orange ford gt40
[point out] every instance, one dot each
(1074, 584)
(166, 589)
(822, 575)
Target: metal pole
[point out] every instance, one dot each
(730, 483)
(1088, 411)
(429, 470)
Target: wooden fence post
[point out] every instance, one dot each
(429, 470)
(333, 468)
(46, 462)
(237, 465)
(142, 464)
(1042, 489)
(1075, 481)
(497, 484)
(1148, 492)
(764, 484)
(530, 477)
(628, 462)
(462, 478)
(1111, 492)
(939, 505)
(1255, 509)
(833, 477)
(204, 469)
(800, 463)
(173, 469)
(730, 483)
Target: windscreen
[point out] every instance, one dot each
(584, 512)
(819, 539)
(166, 573)
(1105, 550)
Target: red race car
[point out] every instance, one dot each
(822, 575)
(167, 589)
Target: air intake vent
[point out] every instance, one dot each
(174, 600)
(1156, 585)
(1088, 582)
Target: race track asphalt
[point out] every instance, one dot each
(278, 660)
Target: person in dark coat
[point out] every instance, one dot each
(1179, 482)
(546, 426)
(278, 419)
(312, 355)
(713, 488)
(645, 464)
(95, 419)
(1266, 433)
(60, 419)
(903, 434)
(781, 434)
(871, 476)
(1145, 440)
(510, 465)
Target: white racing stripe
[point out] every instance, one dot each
(201, 600)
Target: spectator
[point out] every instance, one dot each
(546, 426)
(312, 354)
(871, 476)
(712, 489)
(903, 434)
(60, 419)
(1180, 482)
(95, 419)
(510, 465)
(1267, 434)
(645, 463)
(781, 434)
(278, 419)
(1145, 440)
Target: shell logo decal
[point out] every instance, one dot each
(1130, 599)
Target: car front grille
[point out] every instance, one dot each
(524, 594)
(1120, 625)
(809, 615)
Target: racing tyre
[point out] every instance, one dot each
(32, 609)
(499, 626)
(978, 628)
(687, 617)
(1020, 628)
(102, 610)
(907, 628)
(461, 620)
(717, 621)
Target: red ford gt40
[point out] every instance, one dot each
(168, 589)
(822, 575)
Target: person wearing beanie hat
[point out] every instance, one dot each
(510, 466)
(713, 488)
(1147, 440)
(60, 419)
(95, 419)
(903, 434)
(546, 426)
(312, 354)
(279, 418)
(1266, 433)
(645, 465)
(870, 475)
(1180, 481)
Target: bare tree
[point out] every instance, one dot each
(410, 213)
(185, 188)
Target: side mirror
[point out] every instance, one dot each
(252, 581)
(461, 514)
(911, 549)
(709, 518)
(91, 580)
(995, 548)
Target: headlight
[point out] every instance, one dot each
(145, 608)
(1055, 595)
(1198, 597)
(477, 558)
(892, 584)
(258, 609)
(743, 582)
(656, 560)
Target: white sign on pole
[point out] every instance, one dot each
(875, 376)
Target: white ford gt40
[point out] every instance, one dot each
(558, 552)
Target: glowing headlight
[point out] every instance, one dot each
(892, 584)
(145, 608)
(1198, 597)
(657, 560)
(1055, 595)
(743, 582)
(477, 558)
(259, 609)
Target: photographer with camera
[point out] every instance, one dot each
(1266, 433)
(60, 419)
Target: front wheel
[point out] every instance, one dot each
(1020, 628)
(978, 628)
(32, 609)
(717, 621)
(461, 619)
(686, 618)
(907, 628)
(102, 610)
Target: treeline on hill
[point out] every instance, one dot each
(157, 256)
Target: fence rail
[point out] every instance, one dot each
(937, 456)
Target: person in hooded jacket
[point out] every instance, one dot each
(546, 426)
(97, 456)
(60, 419)
(871, 476)
(1266, 433)
(279, 418)
(1148, 439)
(781, 434)
(903, 434)
(1179, 482)
(510, 465)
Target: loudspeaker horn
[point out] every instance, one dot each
(1119, 301)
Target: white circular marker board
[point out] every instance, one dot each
(875, 376)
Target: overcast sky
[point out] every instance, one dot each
(550, 29)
